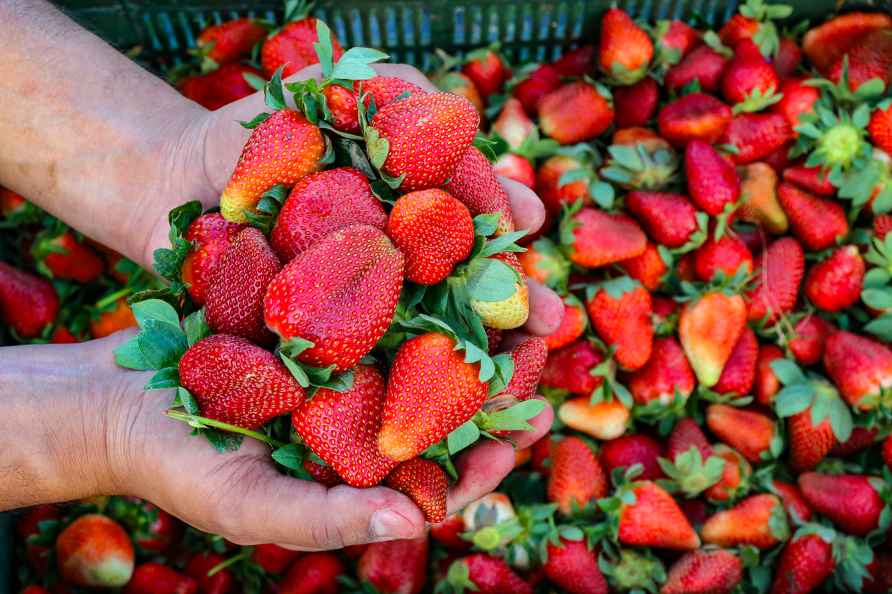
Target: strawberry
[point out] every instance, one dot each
(234, 297)
(513, 124)
(749, 80)
(340, 294)
(713, 571)
(62, 335)
(758, 520)
(292, 48)
(713, 183)
(28, 529)
(675, 39)
(882, 225)
(826, 43)
(686, 435)
(880, 128)
(448, 533)
(851, 501)
(230, 41)
(321, 203)
(807, 346)
(575, 112)
(778, 280)
(430, 392)
(756, 135)
(515, 167)
(342, 102)
(727, 255)
(486, 574)
(569, 368)
(817, 222)
(459, 84)
(116, 316)
(273, 558)
(283, 149)
(576, 477)
(151, 528)
(63, 256)
(669, 219)
(620, 312)
(572, 566)
(576, 62)
(726, 422)
(860, 439)
(665, 374)
(425, 483)
(810, 179)
(94, 551)
(805, 563)
(544, 263)
(739, 372)
(798, 98)
(797, 507)
(869, 58)
(475, 185)
(809, 442)
(28, 304)
(394, 567)
(596, 238)
(487, 70)
(835, 283)
(860, 367)
(703, 64)
(422, 137)
(541, 81)
(696, 116)
(648, 268)
(529, 359)
(342, 428)
(155, 578)
(313, 573)
(554, 194)
(604, 420)
(631, 449)
(219, 87)
(734, 480)
(650, 517)
(511, 312)
(636, 104)
(323, 474)
(573, 324)
(209, 234)
(625, 48)
(11, 203)
(887, 452)
(879, 579)
(709, 328)
(738, 29)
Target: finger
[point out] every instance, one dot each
(546, 309)
(526, 207)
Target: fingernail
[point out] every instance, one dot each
(387, 524)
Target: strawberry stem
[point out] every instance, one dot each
(245, 553)
(204, 422)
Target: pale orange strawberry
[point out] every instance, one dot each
(759, 521)
(709, 328)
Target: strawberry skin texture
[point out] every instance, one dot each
(860, 367)
(568, 368)
(810, 179)
(576, 475)
(630, 449)
(221, 582)
(342, 102)
(488, 73)
(713, 182)
(696, 116)
(511, 312)
(95, 551)
(430, 392)
(492, 575)
(811, 337)
(756, 135)
(666, 371)
(425, 483)
(635, 105)
(601, 238)
(809, 444)
(434, 231)
(798, 99)
(237, 382)
(210, 235)
(313, 573)
(155, 578)
(748, 72)
(703, 64)
(648, 268)
(849, 500)
(778, 280)
(573, 325)
(758, 184)
(234, 300)
(573, 567)
(825, 44)
(340, 294)
(321, 203)
(758, 520)
(292, 47)
(704, 572)
(575, 112)
(283, 149)
(342, 428)
(428, 135)
(669, 219)
(231, 40)
(529, 359)
(605, 420)
(118, 317)
(835, 283)
(219, 87)
(747, 431)
(818, 223)
(805, 563)
(880, 128)
(709, 329)
(474, 184)
(870, 58)
(539, 83)
(739, 371)
(625, 323)
(75, 261)
(655, 520)
(396, 566)
(728, 254)
(625, 48)
(27, 303)
(513, 124)
(794, 503)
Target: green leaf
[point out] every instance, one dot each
(289, 456)
(793, 399)
(296, 370)
(461, 437)
(324, 49)
(486, 224)
(157, 310)
(504, 371)
(274, 93)
(503, 243)
(185, 399)
(881, 327)
(841, 420)
(161, 344)
(787, 372)
(491, 280)
(878, 298)
(129, 356)
(196, 327)
(222, 441)
(168, 377)
(474, 354)
(354, 64)
(256, 120)
(515, 417)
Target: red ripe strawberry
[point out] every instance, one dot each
(576, 477)
(596, 238)
(540, 454)
(748, 73)
(572, 566)
(448, 533)
(430, 392)
(787, 59)
(63, 256)
(517, 168)
(569, 368)
(713, 571)
(666, 373)
(313, 573)
(636, 105)
(27, 528)
(513, 123)
(62, 335)
(798, 98)
(758, 520)
(694, 116)
(292, 48)
(851, 501)
(491, 575)
(713, 182)
(728, 255)
(738, 29)
(544, 263)
(626, 49)
(747, 431)
(805, 563)
(487, 70)
(810, 179)
(28, 304)
(686, 435)
(273, 558)
(575, 112)
(809, 443)
(222, 582)
(860, 367)
(817, 222)
(219, 87)
(394, 567)
(709, 329)
(340, 294)
(740, 370)
(94, 551)
(529, 359)
(282, 149)
(882, 225)
(880, 128)
(474, 184)
(576, 62)
(756, 135)
(648, 268)
(237, 382)
(155, 578)
(342, 428)
(425, 483)
(427, 136)
(869, 58)
(234, 298)
(703, 64)
(11, 203)
(887, 452)
(321, 203)
(860, 439)
(534, 87)
(835, 283)
(382, 90)
(553, 194)
(676, 37)
(35, 590)
(778, 279)
(654, 519)
(209, 234)
(620, 312)
(811, 335)
(231, 40)
(459, 84)
(669, 219)
(797, 508)
(734, 478)
(826, 43)
(152, 529)
(631, 449)
(323, 474)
